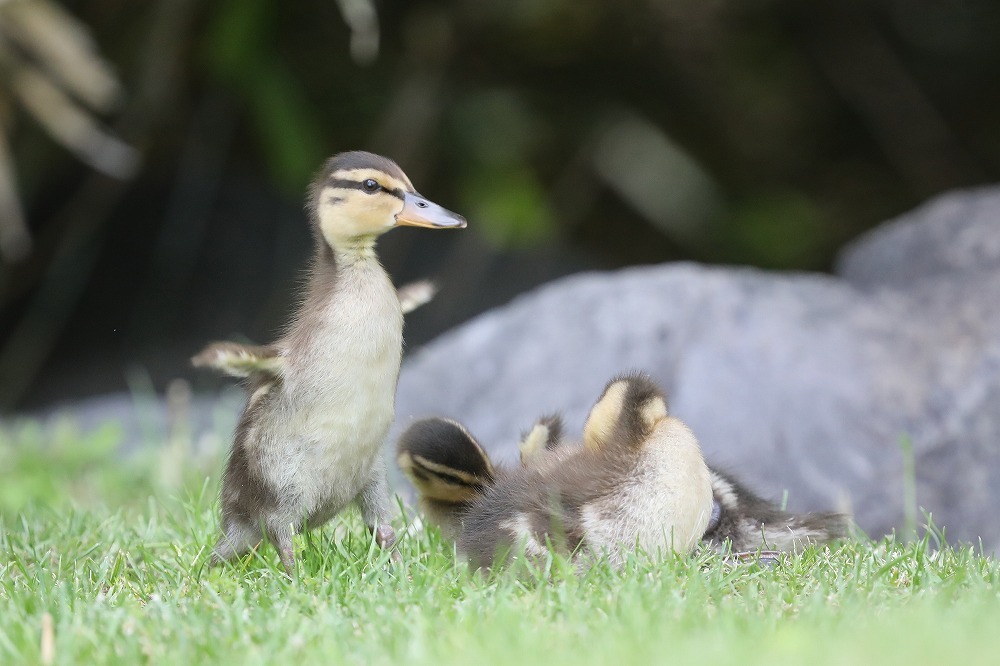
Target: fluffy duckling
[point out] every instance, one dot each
(321, 398)
(448, 467)
(741, 523)
(637, 480)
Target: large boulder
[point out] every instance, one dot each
(811, 384)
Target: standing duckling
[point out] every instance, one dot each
(638, 480)
(322, 397)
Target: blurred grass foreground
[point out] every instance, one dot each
(102, 560)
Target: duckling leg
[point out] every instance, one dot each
(373, 501)
(237, 539)
(281, 537)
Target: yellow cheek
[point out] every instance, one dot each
(653, 411)
(346, 214)
(534, 443)
(603, 417)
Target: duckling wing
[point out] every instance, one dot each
(239, 360)
(414, 294)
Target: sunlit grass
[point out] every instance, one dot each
(113, 551)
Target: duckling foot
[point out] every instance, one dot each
(385, 537)
(767, 558)
(373, 501)
(287, 555)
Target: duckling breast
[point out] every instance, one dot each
(336, 400)
(663, 504)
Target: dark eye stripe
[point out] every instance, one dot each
(360, 185)
(453, 479)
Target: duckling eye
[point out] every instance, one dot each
(371, 185)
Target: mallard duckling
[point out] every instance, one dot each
(321, 398)
(741, 523)
(237, 359)
(638, 480)
(448, 467)
(544, 437)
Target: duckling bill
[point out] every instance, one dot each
(321, 398)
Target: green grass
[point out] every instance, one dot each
(113, 552)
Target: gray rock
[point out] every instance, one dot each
(795, 382)
(954, 233)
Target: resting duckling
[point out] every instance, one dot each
(742, 522)
(440, 458)
(322, 397)
(638, 480)
(449, 469)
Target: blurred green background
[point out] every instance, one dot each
(154, 154)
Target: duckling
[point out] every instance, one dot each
(321, 398)
(544, 437)
(637, 480)
(741, 524)
(448, 467)
(240, 360)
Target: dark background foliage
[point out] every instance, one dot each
(572, 134)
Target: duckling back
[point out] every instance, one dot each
(663, 500)
(742, 521)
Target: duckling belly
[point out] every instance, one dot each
(337, 402)
(336, 446)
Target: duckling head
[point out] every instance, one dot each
(444, 461)
(629, 409)
(544, 436)
(358, 196)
